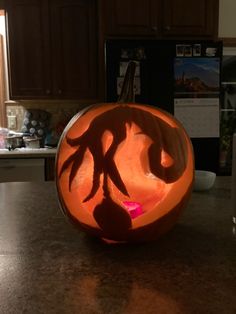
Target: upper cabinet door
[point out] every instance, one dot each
(190, 18)
(161, 18)
(53, 49)
(74, 48)
(131, 17)
(28, 48)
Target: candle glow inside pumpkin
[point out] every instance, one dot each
(122, 168)
(134, 208)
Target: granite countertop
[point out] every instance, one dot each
(28, 153)
(48, 266)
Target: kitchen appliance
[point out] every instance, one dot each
(181, 77)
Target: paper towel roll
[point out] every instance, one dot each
(233, 182)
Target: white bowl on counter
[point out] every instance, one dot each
(204, 180)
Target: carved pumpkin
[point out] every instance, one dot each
(124, 171)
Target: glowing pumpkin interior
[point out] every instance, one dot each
(124, 171)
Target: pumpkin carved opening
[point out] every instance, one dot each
(122, 167)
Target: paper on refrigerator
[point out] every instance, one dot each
(199, 116)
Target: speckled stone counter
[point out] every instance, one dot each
(47, 266)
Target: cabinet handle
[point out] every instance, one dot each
(167, 28)
(48, 91)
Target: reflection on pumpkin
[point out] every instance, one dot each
(124, 171)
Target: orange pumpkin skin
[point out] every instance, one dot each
(124, 172)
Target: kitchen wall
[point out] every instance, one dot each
(3, 69)
(227, 21)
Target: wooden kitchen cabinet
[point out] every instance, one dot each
(190, 18)
(53, 49)
(132, 17)
(28, 48)
(74, 48)
(161, 18)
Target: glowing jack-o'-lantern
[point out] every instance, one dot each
(124, 171)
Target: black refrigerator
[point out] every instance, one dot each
(181, 77)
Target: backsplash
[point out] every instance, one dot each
(15, 115)
(61, 113)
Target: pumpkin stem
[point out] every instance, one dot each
(127, 94)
